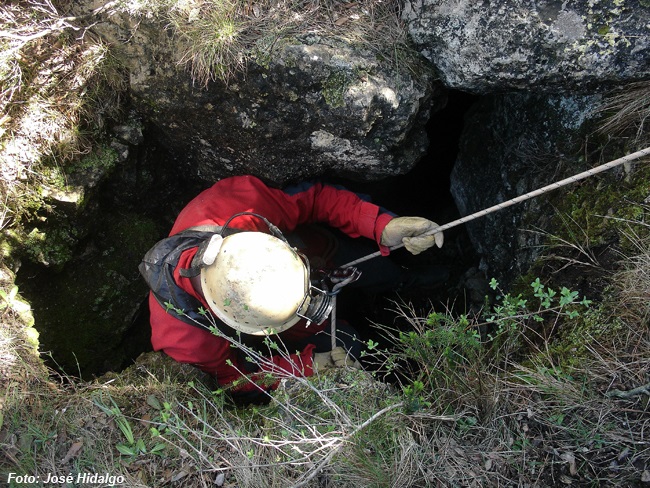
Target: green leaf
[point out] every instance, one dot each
(125, 427)
(158, 448)
(568, 296)
(140, 447)
(126, 450)
(153, 402)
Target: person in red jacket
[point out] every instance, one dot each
(192, 319)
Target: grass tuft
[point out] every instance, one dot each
(627, 111)
(220, 37)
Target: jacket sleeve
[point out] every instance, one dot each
(288, 208)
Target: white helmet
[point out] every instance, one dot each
(256, 283)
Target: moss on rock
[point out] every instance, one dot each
(334, 88)
(85, 311)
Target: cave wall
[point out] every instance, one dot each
(542, 71)
(513, 144)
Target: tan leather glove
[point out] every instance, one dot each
(410, 230)
(342, 359)
(322, 361)
(336, 358)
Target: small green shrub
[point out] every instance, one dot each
(446, 356)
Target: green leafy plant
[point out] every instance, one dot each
(132, 447)
(453, 352)
(514, 313)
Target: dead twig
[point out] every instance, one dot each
(639, 390)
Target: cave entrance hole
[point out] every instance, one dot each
(85, 327)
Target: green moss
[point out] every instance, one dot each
(50, 247)
(31, 336)
(83, 310)
(596, 214)
(334, 88)
(265, 48)
(102, 159)
(7, 248)
(603, 30)
(570, 347)
(594, 209)
(54, 176)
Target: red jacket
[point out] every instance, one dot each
(309, 203)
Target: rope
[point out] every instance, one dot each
(526, 196)
(333, 322)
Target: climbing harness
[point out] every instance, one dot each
(526, 196)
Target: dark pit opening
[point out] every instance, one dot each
(75, 309)
(424, 191)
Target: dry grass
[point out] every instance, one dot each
(627, 111)
(59, 83)
(633, 281)
(488, 416)
(520, 413)
(494, 415)
(221, 36)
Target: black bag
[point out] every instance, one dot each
(157, 269)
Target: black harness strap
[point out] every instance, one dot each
(157, 269)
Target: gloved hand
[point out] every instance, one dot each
(336, 358)
(342, 359)
(410, 230)
(322, 360)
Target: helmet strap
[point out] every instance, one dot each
(275, 231)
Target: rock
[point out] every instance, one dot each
(504, 45)
(130, 133)
(312, 106)
(89, 312)
(513, 144)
